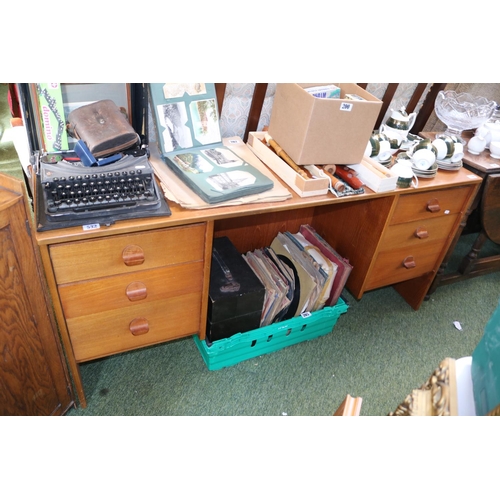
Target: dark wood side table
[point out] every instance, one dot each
(483, 218)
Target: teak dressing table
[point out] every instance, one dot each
(145, 281)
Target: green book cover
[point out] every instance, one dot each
(52, 116)
(189, 140)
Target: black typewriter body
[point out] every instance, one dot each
(70, 194)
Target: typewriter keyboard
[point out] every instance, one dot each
(72, 191)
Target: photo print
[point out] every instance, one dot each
(234, 179)
(223, 157)
(205, 121)
(173, 90)
(176, 134)
(192, 163)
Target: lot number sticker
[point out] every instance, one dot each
(346, 106)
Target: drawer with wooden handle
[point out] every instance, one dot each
(119, 330)
(126, 290)
(114, 255)
(401, 264)
(417, 233)
(430, 204)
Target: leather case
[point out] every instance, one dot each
(103, 127)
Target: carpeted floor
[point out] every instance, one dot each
(380, 350)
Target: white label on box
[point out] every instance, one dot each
(88, 227)
(346, 106)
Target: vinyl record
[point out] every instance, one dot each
(292, 308)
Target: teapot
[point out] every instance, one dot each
(400, 122)
(490, 131)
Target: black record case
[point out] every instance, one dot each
(236, 294)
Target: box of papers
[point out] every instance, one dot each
(236, 295)
(303, 186)
(374, 175)
(323, 131)
(271, 338)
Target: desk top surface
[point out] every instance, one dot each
(181, 216)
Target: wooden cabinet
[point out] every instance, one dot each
(417, 235)
(136, 288)
(126, 292)
(33, 376)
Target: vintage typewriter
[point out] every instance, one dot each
(72, 194)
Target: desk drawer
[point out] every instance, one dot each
(417, 233)
(126, 290)
(127, 253)
(119, 330)
(389, 267)
(429, 205)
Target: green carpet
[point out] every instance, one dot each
(380, 350)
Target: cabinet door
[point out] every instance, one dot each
(33, 377)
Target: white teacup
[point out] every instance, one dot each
(495, 149)
(381, 147)
(403, 169)
(441, 148)
(423, 159)
(395, 138)
(458, 152)
(476, 145)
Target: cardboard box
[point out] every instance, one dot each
(374, 175)
(322, 131)
(303, 187)
(232, 309)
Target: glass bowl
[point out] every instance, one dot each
(462, 111)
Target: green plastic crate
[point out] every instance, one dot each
(271, 338)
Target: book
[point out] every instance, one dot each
(190, 143)
(52, 117)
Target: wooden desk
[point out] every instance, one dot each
(143, 282)
(483, 218)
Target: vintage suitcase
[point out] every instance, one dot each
(236, 295)
(68, 185)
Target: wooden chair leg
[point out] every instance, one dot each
(469, 261)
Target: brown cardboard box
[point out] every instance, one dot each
(322, 131)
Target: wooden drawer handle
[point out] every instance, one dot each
(133, 255)
(139, 326)
(421, 233)
(136, 291)
(433, 205)
(409, 262)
